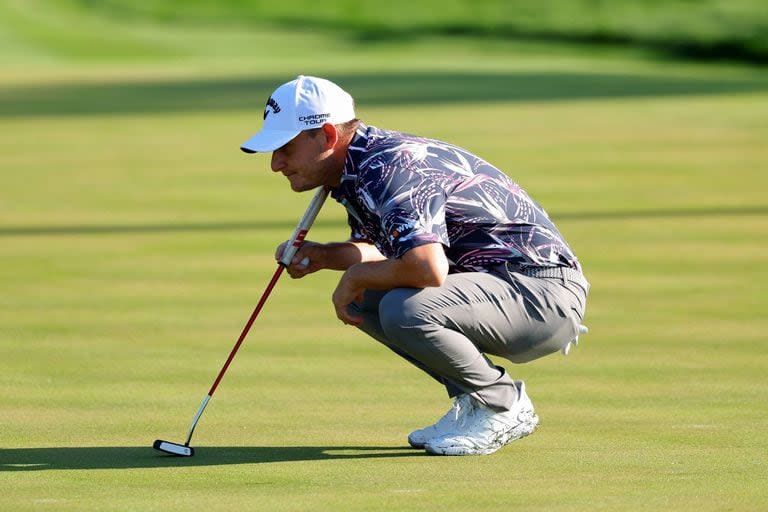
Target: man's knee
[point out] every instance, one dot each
(400, 310)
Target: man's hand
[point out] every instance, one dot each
(330, 256)
(347, 292)
(421, 267)
(309, 253)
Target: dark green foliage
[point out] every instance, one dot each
(714, 29)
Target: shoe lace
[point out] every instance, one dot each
(468, 412)
(482, 421)
(461, 406)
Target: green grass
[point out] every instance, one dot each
(135, 239)
(720, 29)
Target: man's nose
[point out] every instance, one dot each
(277, 162)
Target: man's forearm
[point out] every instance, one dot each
(421, 267)
(342, 255)
(392, 273)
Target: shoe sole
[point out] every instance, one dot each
(522, 429)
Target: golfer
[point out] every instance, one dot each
(448, 259)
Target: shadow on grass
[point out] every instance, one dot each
(113, 457)
(83, 229)
(369, 90)
(341, 224)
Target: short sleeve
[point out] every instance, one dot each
(413, 213)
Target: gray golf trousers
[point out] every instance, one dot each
(447, 331)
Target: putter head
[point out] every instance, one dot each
(173, 448)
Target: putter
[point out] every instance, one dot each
(184, 450)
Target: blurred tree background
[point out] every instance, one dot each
(701, 29)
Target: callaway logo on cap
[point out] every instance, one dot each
(301, 104)
(271, 103)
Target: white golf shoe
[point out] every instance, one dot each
(445, 425)
(483, 431)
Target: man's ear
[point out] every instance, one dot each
(331, 136)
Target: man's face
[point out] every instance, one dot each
(302, 160)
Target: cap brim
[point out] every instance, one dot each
(268, 140)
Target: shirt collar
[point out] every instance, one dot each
(356, 148)
(355, 151)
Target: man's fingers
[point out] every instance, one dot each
(348, 319)
(342, 313)
(279, 251)
(297, 272)
(299, 269)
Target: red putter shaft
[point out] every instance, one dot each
(290, 251)
(298, 240)
(247, 328)
(256, 311)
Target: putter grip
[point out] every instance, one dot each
(304, 224)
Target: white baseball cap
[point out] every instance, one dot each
(301, 104)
